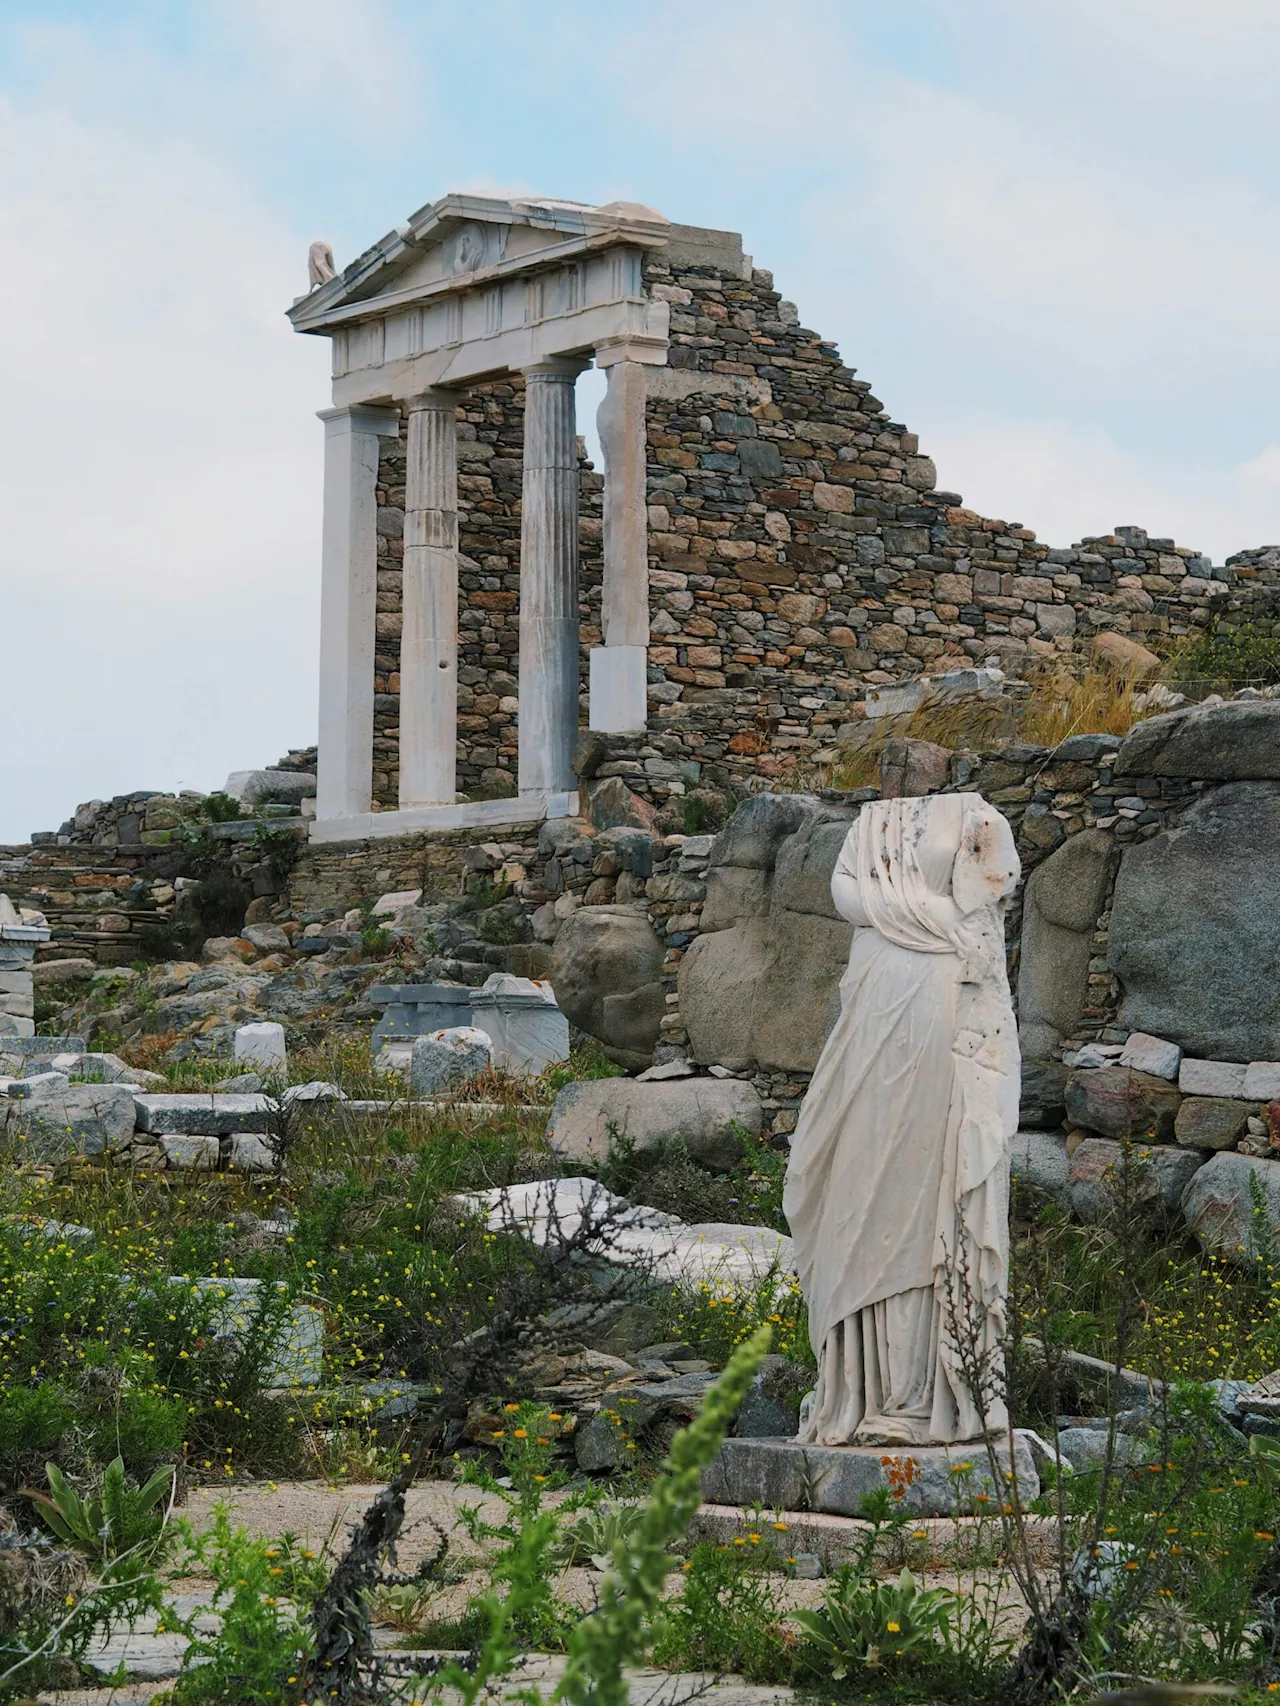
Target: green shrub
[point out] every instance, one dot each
(261, 1591)
(33, 1420)
(1230, 653)
(220, 808)
(144, 1427)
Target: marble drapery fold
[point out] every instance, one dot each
(897, 1186)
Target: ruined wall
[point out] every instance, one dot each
(490, 452)
(800, 551)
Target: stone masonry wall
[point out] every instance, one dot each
(490, 452)
(799, 553)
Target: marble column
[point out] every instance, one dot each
(429, 636)
(348, 601)
(619, 697)
(548, 725)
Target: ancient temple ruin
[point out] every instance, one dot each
(764, 545)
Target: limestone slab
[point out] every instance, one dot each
(88, 1119)
(211, 1115)
(261, 1044)
(784, 1475)
(1212, 1078)
(191, 1154)
(1262, 1081)
(1146, 1053)
(708, 1115)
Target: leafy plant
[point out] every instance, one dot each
(868, 1622)
(1230, 652)
(116, 1519)
(729, 1615)
(261, 1590)
(220, 808)
(278, 848)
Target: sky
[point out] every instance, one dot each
(1048, 236)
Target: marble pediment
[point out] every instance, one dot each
(463, 242)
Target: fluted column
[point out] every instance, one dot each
(348, 604)
(548, 726)
(619, 689)
(429, 636)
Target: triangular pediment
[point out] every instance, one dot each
(463, 240)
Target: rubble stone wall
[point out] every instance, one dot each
(800, 551)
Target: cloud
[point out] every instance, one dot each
(1070, 482)
(159, 471)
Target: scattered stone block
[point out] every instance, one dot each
(299, 1349)
(85, 1119)
(250, 1153)
(259, 787)
(528, 1031)
(192, 1154)
(1154, 1055)
(33, 1085)
(317, 1090)
(204, 1114)
(1118, 1102)
(708, 1115)
(658, 1248)
(387, 905)
(784, 1475)
(1086, 1448)
(1211, 1122)
(266, 938)
(1212, 1078)
(448, 1058)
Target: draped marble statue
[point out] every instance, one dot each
(897, 1186)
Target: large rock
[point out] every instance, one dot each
(1160, 1176)
(446, 1059)
(655, 1247)
(1064, 898)
(1212, 1122)
(718, 980)
(765, 990)
(84, 1119)
(1115, 1101)
(1219, 1209)
(610, 804)
(1195, 924)
(708, 1114)
(758, 828)
(798, 1000)
(1124, 657)
(281, 787)
(606, 970)
(1042, 1105)
(1038, 1163)
(1235, 742)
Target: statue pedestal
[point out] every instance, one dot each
(934, 1480)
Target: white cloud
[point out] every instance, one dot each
(159, 472)
(1069, 482)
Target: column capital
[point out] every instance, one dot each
(566, 367)
(361, 417)
(647, 351)
(434, 397)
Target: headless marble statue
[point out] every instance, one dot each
(897, 1186)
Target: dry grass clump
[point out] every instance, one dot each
(1059, 703)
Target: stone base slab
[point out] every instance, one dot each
(531, 807)
(782, 1475)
